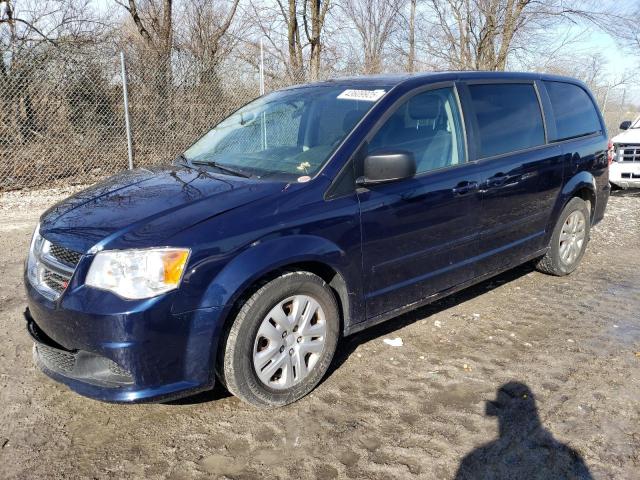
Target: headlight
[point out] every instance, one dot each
(32, 263)
(136, 274)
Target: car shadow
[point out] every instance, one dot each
(524, 448)
(218, 392)
(348, 345)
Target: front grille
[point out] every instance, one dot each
(629, 153)
(51, 266)
(64, 255)
(54, 280)
(55, 359)
(81, 365)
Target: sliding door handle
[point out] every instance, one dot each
(465, 188)
(501, 179)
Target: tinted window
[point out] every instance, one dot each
(508, 117)
(428, 125)
(573, 109)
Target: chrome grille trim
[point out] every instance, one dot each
(55, 281)
(50, 273)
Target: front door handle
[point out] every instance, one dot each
(465, 188)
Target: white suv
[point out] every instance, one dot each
(625, 168)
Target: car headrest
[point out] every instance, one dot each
(425, 107)
(350, 119)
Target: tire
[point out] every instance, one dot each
(258, 365)
(557, 261)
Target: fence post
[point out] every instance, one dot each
(264, 118)
(126, 110)
(261, 68)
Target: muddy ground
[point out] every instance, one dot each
(383, 412)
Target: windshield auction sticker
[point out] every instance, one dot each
(364, 95)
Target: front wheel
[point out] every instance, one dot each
(282, 341)
(569, 239)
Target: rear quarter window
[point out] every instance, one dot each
(508, 117)
(574, 112)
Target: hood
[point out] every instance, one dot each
(146, 207)
(628, 136)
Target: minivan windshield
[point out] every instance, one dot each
(636, 123)
(290, 133)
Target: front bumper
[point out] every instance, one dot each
(114, 350)
(625, 174)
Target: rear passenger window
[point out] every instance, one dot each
(573, 109)
(508, 117)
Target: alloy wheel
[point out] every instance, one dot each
(572, 237)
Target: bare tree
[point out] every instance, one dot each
(156, 30)
(154, 22)
(626, 28)
(481, 34)
(374, 21)
(411, 57)
(304, 25)
(33, 23)
(205, 25)
(294, 44)
(31, 34)
(319, 11)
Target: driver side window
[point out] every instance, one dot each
(429, 126)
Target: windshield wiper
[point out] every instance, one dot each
(220, 166)
(182, 159)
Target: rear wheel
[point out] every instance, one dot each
(282, 341)
(569, 239)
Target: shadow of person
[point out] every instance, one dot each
(525, 449)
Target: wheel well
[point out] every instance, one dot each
(336, 283)
(588, 196)
(332, 278)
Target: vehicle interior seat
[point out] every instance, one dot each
(421, 128)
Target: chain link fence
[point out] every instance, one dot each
(62, 116)
(62, 121)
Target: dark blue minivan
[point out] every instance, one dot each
(311, 213)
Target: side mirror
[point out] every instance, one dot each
(247, 117)
(386, 166)
(625, 125)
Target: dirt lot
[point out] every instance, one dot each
(413, 411)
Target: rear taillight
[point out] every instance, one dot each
(611, 152)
